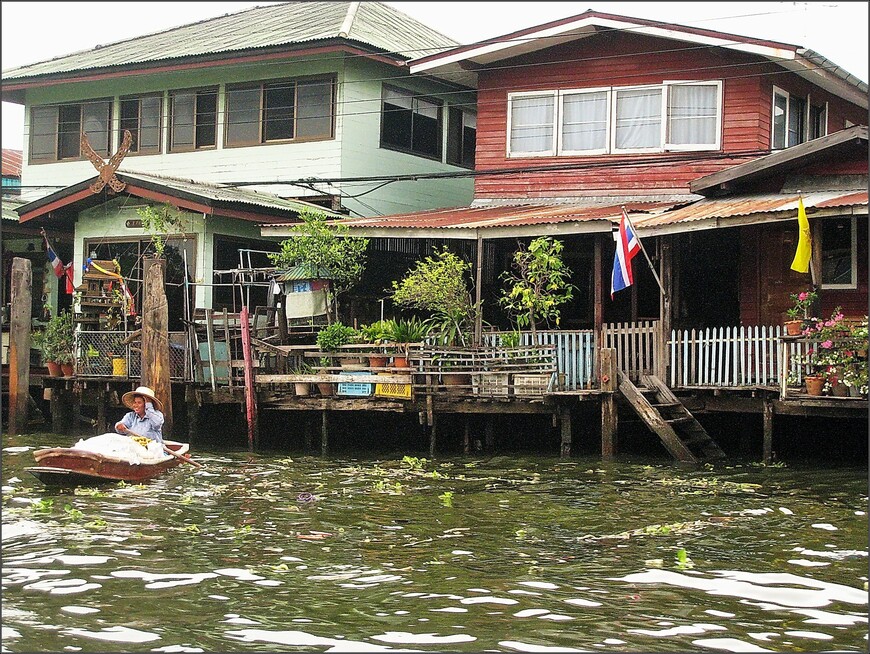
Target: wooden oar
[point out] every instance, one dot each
(168, 451)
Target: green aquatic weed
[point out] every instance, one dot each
(446, 498)
(43, 505)
(72, 513)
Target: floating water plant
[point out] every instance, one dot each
(446, 498)
(72, 513)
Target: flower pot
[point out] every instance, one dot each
(839, 389)
(814, 384)
(54, 369)
(400, 362)
(455, 381)
(378, 360)
(302, 388)
(326, 389)
(794, 327)
(67, 369)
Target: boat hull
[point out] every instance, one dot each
(70, 466)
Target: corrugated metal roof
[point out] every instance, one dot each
(370, 23)
(518, 215)
(9, 205)
(741, 206)
(302, 272)
(11, 163)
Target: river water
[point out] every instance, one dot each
(280, 553)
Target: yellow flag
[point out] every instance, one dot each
(801, 261)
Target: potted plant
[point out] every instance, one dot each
(56, 343)
(325, 388)
(332, 337)
(800, 312)
(300, 387)
(377, 333)
(403, 332)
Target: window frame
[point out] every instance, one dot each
(663, 108)
(136, 137)
(196, 92)
(263, 86)
(414, 97)
(57, 109)
(853, 254)
(560, 149)
(694, 147)
(823, 124)
(554, 140)
(805, 118)
(457, 140)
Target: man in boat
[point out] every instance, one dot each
(146, 417)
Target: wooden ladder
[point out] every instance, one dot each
(680, 432)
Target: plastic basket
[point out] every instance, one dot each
(491, 385)
(531, 385)
(355, 389)
(397, 391)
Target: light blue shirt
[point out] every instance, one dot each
(150, 425)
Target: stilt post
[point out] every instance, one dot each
(155, 339)
(19, 344)
(608, 381)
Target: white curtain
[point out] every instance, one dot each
(584, 121)
(638, 118)
(532, 125)
(692, 113)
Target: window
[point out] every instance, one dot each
(142, 116)
(410, 123)
(280, 111)
(818, 120)
(193, 116)
(839, 252)
(795, 120)
(670, 116)
(461, 137)
(55, 131)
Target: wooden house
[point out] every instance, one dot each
(281, 102)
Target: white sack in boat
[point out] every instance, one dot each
(123, 447)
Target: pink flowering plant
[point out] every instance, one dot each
(803, 302)
(838, 351)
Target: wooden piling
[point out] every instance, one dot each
(433, 430)
(767, 419)
(19, 344)
(466, 438)
(489, 434)
(565, 432)
(250, 392)
(192, 403)
(324, 432)
(155, 339)
(609, 423)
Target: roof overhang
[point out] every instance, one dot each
(831, 148)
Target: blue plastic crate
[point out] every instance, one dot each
(355, 389)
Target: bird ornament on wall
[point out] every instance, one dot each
(107, 169)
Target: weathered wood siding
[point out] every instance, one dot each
(747, 99)
(766, 280)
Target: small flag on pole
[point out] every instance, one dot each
(801, 261)
(627, 246)
(60, 271)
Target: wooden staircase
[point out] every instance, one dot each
(661, 410)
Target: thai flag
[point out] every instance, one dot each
(55, 261)
(627, 246)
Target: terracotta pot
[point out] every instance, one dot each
(456, 380)
(67, 369)
(400, 362)
(326, 389)
(814, 384)
(839, 389)
(794, 327)
(54, 369)
(302, 388)
(378, 360)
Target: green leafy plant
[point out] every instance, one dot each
(446, 498)
(328, 250)
(335, 335)
(803, 303)
(377, 332)
(438, 284)
(537, 284)
(407, 330)
(160, 222)
(73, 513)
(57, 340)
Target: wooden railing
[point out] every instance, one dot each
(576, 354)
(636, 345)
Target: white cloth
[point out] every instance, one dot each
(123, 448)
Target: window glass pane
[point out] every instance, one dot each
(130, 121)
(278, 111)
(182, 120)
(469, 139)
(461, 137)
(96, 125)
(149, 129)
(426, 129)
(531, 124)
(69, 127)
(638, 118)
(397, 120)
(584, 121)
(818, 121)
(837, 251)
(780, 104)
(206, 118)
(314, 109)
(692, 115)
(796, 120)
(243, 116)
(43, 133)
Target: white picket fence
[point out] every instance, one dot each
(636, 345)
(729, 356)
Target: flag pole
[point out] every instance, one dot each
(642, 249)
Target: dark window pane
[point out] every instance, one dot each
(837, 251)
(69, 126)
(314, 109)
(243, 116)
(95, 117)
(796, 120)
(206, 118)
(278, 112)
(426, 129)
(397, 121)
(182, 121)
(130, 121)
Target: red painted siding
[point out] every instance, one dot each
(747, 98)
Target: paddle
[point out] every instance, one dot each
(168, 451)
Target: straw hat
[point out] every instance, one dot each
(145, 392)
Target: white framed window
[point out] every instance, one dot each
(779, 119)
(839, 252)
(584, 121)
(674, 115)
(532, 124)
(694, 118)
(792, 120)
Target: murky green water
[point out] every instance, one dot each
(508, 554)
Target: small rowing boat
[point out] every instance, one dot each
(104, 459)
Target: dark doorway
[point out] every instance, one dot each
(709, 279)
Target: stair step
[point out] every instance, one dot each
(680, 420)
(665, 405)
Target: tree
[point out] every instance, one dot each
(160, 223)
(538, 283)
(438, 285)
(327, 249)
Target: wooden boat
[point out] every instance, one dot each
(70, 466)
